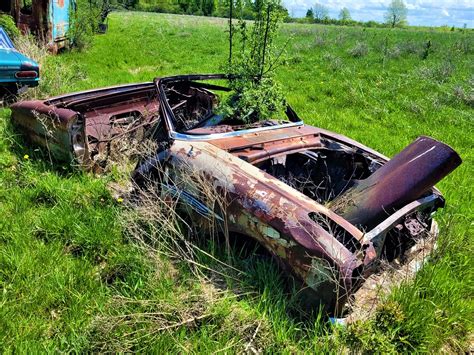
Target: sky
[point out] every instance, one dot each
(420, 12)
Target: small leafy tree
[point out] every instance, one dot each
(252, 60)
(396, 14)
(85, 20)
(310, 15)
(320, 12)
(345, 15)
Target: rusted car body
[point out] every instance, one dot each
(328, 208)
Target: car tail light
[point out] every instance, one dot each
(26, 74)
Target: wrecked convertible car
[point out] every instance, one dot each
(328, 208)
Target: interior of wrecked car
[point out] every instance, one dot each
(189, 104)
(194, 107)
(125, 115)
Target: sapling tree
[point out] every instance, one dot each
(253, 57)
(85, 18)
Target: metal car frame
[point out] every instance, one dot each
(379, 208)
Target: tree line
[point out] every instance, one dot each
(396, 14)
(217, 8)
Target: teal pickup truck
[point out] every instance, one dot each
(16, 70)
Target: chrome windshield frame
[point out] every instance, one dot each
(168, 113)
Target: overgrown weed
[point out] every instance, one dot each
(55, 76)
(360, 49)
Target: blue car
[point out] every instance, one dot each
(16, 70)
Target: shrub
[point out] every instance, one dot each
(340, 38)
(319, 41)
(464, 96)
(426, 50)
(464, 45)
(359, 50)
(86, 19)
(439, 73)
(443, 71)
(6, 21)
(333, 62)
(255, 100)
(409, 47)
(394, 52)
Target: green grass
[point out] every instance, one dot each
(73, 280)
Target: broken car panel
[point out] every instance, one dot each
(328, 208)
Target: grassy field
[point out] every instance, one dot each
(73, 280)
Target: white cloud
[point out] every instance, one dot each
(420, 12)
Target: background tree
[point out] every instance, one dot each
(310, 15)
(320, 12)
(85, 21)
(396, 13)
(128, 4)
(208, 7)
(344, 14)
